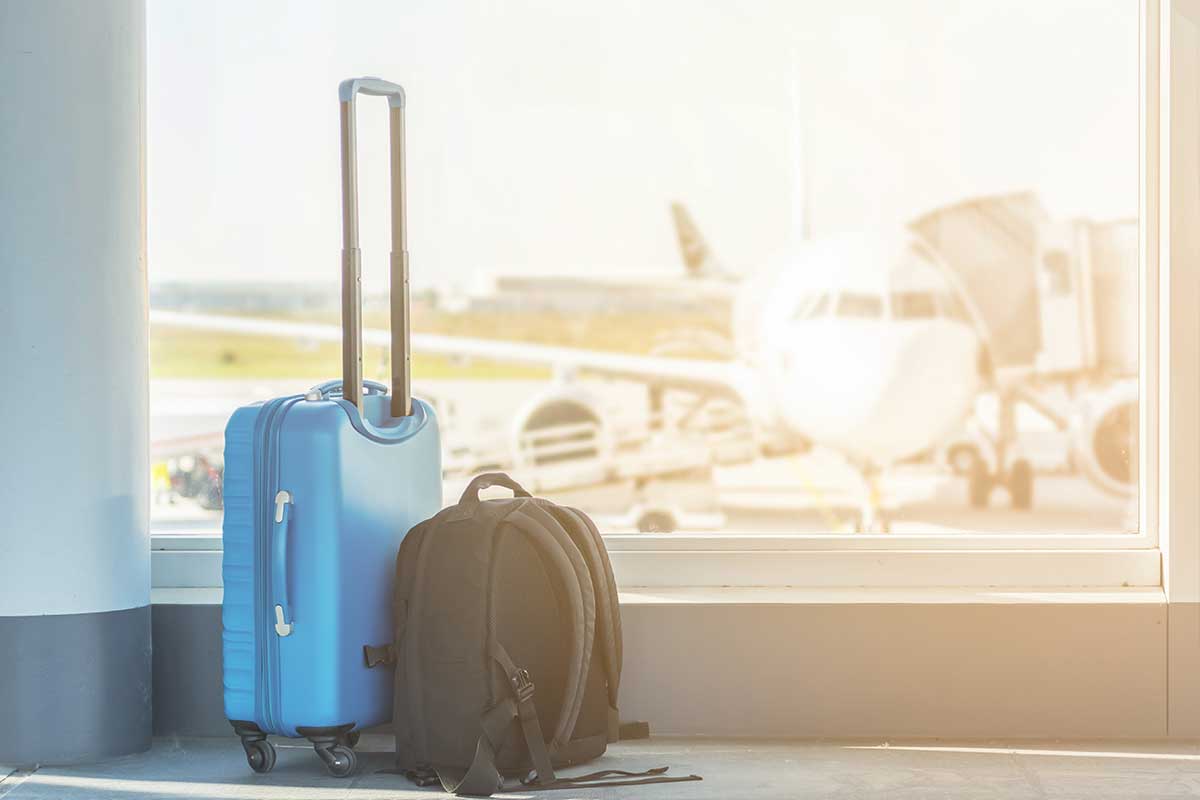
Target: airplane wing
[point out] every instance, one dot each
(710, 377)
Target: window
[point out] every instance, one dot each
(813, 307)
(961, 159)
(856, 305)
(913, 305)
(951, 306)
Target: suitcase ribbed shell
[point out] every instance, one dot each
(356, 491)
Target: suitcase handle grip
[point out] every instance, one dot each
(282, 609)
(352, 370)
(331, 388)
(470, 495)
(373, 86)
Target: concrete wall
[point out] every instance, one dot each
(1057, 666)
(961, 670)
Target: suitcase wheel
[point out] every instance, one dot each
(260, 755)
(335, 747)
(339, 759)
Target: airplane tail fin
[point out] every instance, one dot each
(698, 258)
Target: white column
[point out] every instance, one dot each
(74, 477)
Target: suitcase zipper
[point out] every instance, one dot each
(267, 642)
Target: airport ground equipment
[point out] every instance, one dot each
(507, 650)
(320, 489)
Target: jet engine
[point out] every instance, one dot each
(558, 428)
(1106, 439)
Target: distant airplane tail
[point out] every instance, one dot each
(698, 258)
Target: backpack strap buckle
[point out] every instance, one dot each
(522, 685)
(423, 775)
(374, 655)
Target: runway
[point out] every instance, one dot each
(810, 493)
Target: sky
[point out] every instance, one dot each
(550, 136)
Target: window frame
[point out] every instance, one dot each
(933, 560)
(1176, 207)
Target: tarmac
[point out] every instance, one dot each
(215, 769)
(814, 492)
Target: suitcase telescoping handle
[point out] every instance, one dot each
(352, 371)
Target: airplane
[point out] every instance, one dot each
(864, 344)
(698, 257)
(705, 287)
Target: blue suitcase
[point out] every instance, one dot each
(319, 490)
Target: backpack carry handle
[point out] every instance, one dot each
(352, 370)
(481, 482)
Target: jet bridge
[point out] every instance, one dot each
(1058, 302)
(1056, 297)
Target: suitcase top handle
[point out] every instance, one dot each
(352, 371)
(328, 389)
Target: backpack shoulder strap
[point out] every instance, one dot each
(608, 612)
(556, 544)
(572, 581)
(613, 594)
(482, 778)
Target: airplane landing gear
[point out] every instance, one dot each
(979, 484)
(873, 523)
(1020, 484)
(1016, 476)
(1018, 481)
(872, 518)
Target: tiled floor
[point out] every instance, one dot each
(214, 769)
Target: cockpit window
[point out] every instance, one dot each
(913, 305)
(860, 306)
(952, 307)
(812, 307)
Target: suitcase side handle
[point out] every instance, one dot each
(281, 608)
(352, 371)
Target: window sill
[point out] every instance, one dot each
(791, 596)
(787, 596)
(194, 561)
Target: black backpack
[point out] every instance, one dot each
(507, 646)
